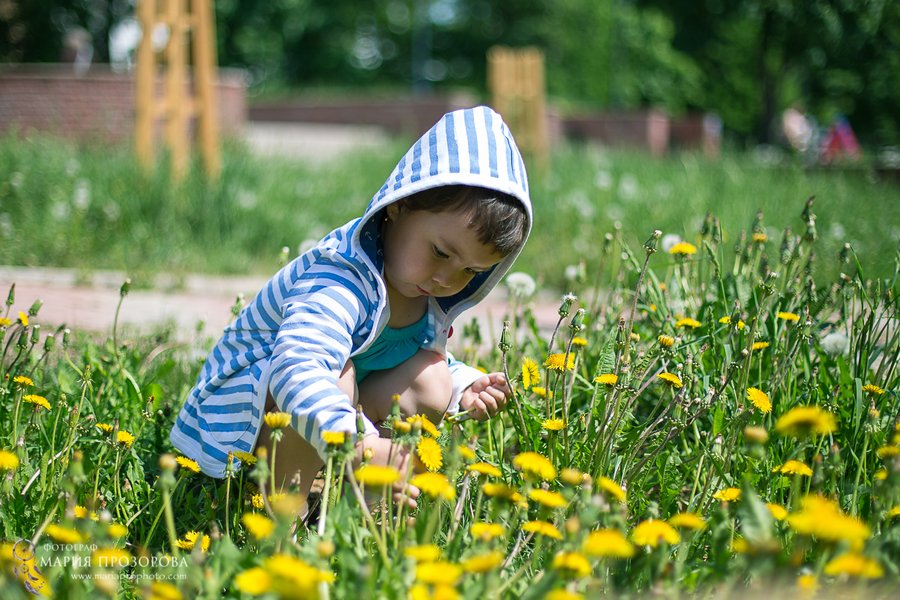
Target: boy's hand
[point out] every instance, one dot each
(399, 458)
(486, 396)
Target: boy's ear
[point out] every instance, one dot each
(393, 210)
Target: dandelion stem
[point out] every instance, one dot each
(323, 504)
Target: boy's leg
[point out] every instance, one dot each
(294, 456)
(423, 383)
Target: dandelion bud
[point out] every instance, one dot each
(807, 213)
(66, 333)
(706, 227)
(126, 287)
(360, 421)
(811, 234)
(11, 297)
(368, 454)
(262, 454)
(756, 434)
(607, 242)
(167, 462)
(652, 241)
(35, 307)
(49, 342)
(716, 234)
(577, 323)
(787, 246)
(402, 426)
(325, 548)
(504, 344)
(35, 334)
(285, 255)
(566, 305)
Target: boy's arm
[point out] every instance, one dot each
(311, 348)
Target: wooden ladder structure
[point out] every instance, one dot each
(186, 95)
(516, 84)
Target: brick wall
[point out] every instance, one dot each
(97, 104)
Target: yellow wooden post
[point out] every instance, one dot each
(516, 83)
(183, 97)
(204, 75)
(144, 89)
(176, 75)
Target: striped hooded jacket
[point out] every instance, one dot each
(330, 304)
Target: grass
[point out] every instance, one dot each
(694, 427)
(90, 207)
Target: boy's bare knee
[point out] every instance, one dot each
(432, 386)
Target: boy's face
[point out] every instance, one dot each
(432, 254)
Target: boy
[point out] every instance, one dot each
(366, 313)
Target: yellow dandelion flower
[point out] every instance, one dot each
(8, 461)
(612, 488)
(671, 378)
(422, 553)
(429, 452)
(881, 474)
(541, 392)
(125, 438)
(729, 494)
(788, 316)
(23, 381)
(854, 565)
(438, 573)
(162, 590)
(666, 341)
(277, 420)
(893, 512)
(435, 485)
(502, 491)
(823, 519)
(572, 564)
(110, 557)
(80, 511)
(683, 249)
(533, 463)
(376, 475)
(548, 498)
(104, 427)
(759, 238)
(759, 399)
(5, 322)
(117, 530)
(542, 528)
(794, 467)
(23, 318)
(483, 468)
(756, 434)
(38, 401)
(65, 535)
(254, 581)
(186, 463)
(433, 592)
(759, 346)
(563, 594)
(191, 538)
(687, 322)
(559, 362)
(579, 341)
(804, 420)
(427, 426)
(293, 577)
(609, 543)
(531, 374)
(607, 379)
(687, 520)
(873, 389)
(779, 513)
(808, 583)
(482, 563)
(259, 526)
(486, 531)
(245, 457)
(654, 532)
(571, 476)
(888, 451)
(553, 424)
(466, 453)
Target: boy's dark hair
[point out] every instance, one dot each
(499, 219)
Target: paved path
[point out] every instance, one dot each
(87, 302)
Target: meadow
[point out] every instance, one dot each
(715, 414)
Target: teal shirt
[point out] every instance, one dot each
(391, 348)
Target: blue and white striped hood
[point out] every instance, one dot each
(466, 147)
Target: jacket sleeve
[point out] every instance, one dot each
(462, 376)
(311, 348)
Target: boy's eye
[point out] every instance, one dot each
(472, 272)
(438, 253)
